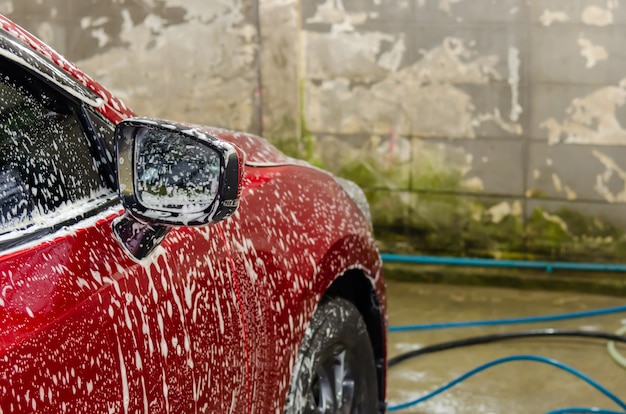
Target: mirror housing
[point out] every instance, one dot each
(176, 175)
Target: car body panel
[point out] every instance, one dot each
(211, 321)
(86, 326)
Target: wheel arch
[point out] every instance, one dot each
(354, 286)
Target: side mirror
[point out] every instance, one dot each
(176, 175)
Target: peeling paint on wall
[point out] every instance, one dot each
(334, 12)
(392, 59)
(611, 169)
(553, 218)
(596, 16)
(96, 30)
(427, 100)
(591, 119)
(454, 61)
(349, 55)
(569, 193)
(212, 81)
(549, 17)
(559, 187)
(514, 78)
(592, 53)
(444, 5)
(503, 209)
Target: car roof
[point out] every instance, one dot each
(20, 46)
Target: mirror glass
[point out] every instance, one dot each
(174, 171)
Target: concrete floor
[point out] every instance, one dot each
(516, 387)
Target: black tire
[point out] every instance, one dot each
(336, 350)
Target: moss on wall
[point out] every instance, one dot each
(459, 226)
(570, 235)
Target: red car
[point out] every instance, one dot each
(153, 267)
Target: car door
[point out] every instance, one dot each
(83, 327)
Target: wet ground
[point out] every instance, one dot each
(515, 387)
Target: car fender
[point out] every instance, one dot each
(295, 232)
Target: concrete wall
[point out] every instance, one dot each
(478, 127)
(190, 60)
(481, 127)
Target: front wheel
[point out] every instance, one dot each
(334, 371)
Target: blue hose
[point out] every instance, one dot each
(488, 365)
(584, 410)
(548, 266)
(518, 264)
(508, 321)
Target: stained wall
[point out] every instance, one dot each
(477, 127)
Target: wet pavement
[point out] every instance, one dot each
(515, 387)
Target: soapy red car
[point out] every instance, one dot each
(148, 266)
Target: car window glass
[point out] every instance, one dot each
(46, 161)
